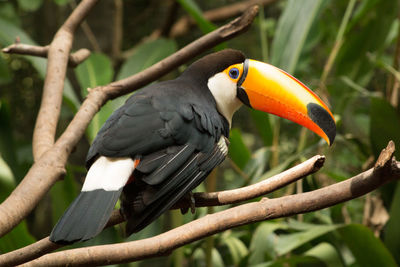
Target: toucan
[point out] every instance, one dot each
(167, 137)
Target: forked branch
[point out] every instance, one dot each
(386, 169)
(269, 185)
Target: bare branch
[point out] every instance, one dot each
(266, 186)
(74, 59)
(265, 209)
(184, 24)
(226, 32)
(50, 166)
(59, 49)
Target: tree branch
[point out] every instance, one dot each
(226, 32)
(58, 53)
(50, 166)
(264, 187)
(386, 169)
(184, 24)
(74, 59)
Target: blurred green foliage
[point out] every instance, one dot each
(360, 81)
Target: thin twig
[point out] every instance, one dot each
(91, 37)
(386, 170)
(170, 18)
(184, 24)
(74, 59)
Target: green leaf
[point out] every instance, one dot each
(262, 242)
(293, 261)
(17, 238)
(263, 124)
(326, 253)
(289, 242)
(392, 229)
(9, 32)
(95, 71)
(61, 2)
(384, 126)
(284, 165)
(352, 60)
(195, 12)
(7, 182)
(236, 247)
(30, 5)
(7, 143)
(257, 163)
(100, 118)
(62, 195)
(5, 75)
(238, 151)
(366, 248)
(145, 55)
(200, 258)
(291, 33)
(7, 12)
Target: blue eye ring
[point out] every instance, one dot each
(234, 73)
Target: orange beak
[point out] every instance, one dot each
(272, 90)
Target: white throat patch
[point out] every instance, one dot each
(224, 91)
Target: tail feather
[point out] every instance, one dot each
(90, 211)
(85, 217)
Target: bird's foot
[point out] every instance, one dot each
(192, 203)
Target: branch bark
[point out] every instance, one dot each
(59, 49)
(50, 166)
(386, 169)
(74, 59)
(266, 186)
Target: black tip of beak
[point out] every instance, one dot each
(323, 119)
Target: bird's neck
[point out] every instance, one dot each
(224, 93)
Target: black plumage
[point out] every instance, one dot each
(174, 127)
(83, 220)
(176, 131)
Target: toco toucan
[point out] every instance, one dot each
(167, 137)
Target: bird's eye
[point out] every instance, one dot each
(234, 73)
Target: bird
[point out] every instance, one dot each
(167, 137)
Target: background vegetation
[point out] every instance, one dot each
(347, 51)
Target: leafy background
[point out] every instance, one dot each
(347, 51)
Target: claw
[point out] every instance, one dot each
(192, 203)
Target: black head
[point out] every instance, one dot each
(211, 64)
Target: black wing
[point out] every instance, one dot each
(147, 198)
(177, 136)
(158, 117)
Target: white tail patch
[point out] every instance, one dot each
(110, 174)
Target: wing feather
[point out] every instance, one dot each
(143, 207)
